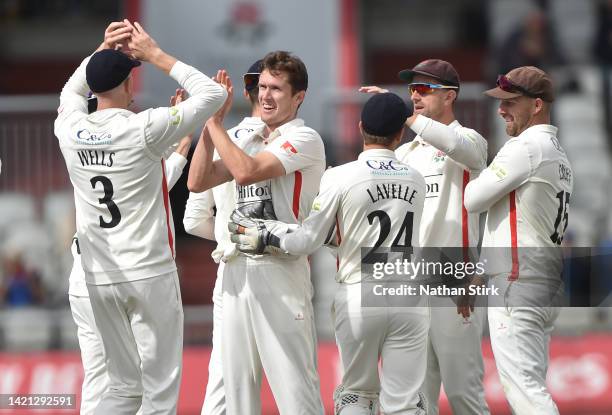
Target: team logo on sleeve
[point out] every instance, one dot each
(440, 156)
(289, 149)
(175, 116)
(499, 171)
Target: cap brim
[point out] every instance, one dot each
(408, 74)
(251, 74)
(501, 94)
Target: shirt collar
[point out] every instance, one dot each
(377, 152)
(296, 122)
(541, 128)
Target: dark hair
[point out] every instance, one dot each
(253, 95)
(376, 139)
(282, 61)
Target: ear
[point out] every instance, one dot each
(538, 106)
(299, 97)
(451, 96)
(245, 94)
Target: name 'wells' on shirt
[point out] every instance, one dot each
(96, 157)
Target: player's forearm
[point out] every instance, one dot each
(204, 174)
(183, 147)
(483, 192)
(240, 165)
(75, 90)
(199, 218)
(203, 228)
(205, 95)
(174, 168)
(310, 236)
(463, 148)
(162, 61)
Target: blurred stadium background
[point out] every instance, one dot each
(345, 44)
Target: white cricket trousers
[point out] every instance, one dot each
(520, 338)
(214, 399)
(268, 323)
(141, 324)
(396, 335)
(454, 359)
(95, 381)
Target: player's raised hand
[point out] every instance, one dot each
(372, 89)
(223, 78)
(185, 144)
(142, 46)
(179, 96)
(115, 35)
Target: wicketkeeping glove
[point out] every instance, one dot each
(255, 236)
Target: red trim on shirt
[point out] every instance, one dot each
(339, 238)
(297, 190)
(167, 207)
(513, 238)
(464, 219)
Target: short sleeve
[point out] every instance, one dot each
(298, 149)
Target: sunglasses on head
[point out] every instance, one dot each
(507, 85)
(424, 88)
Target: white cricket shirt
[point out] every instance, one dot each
(287, 198)
(76, 283)
(526, 192)
(374, 201)
(200, 218)
(448, 157)
(114, 159)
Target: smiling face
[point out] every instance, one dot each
(432, 105)
(279, 103)
(518, 113)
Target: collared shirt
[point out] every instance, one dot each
(114, 159)
(526, 192)
(200, 218)
(448, 157)
(301, 152)
(76, 283)
(374, 201)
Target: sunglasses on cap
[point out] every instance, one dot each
(507, 85)
(250, 81)
(424, 88)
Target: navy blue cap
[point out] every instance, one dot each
(107, 68)
(384, 115)
(251, 77)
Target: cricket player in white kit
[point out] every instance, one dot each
(526, 192)
(448, 156)
(201, 220)
(374, 201)
(268, 318)
(95, 381)
(124, 224)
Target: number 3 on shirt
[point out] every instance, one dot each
(108, 201)
(562, 218)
